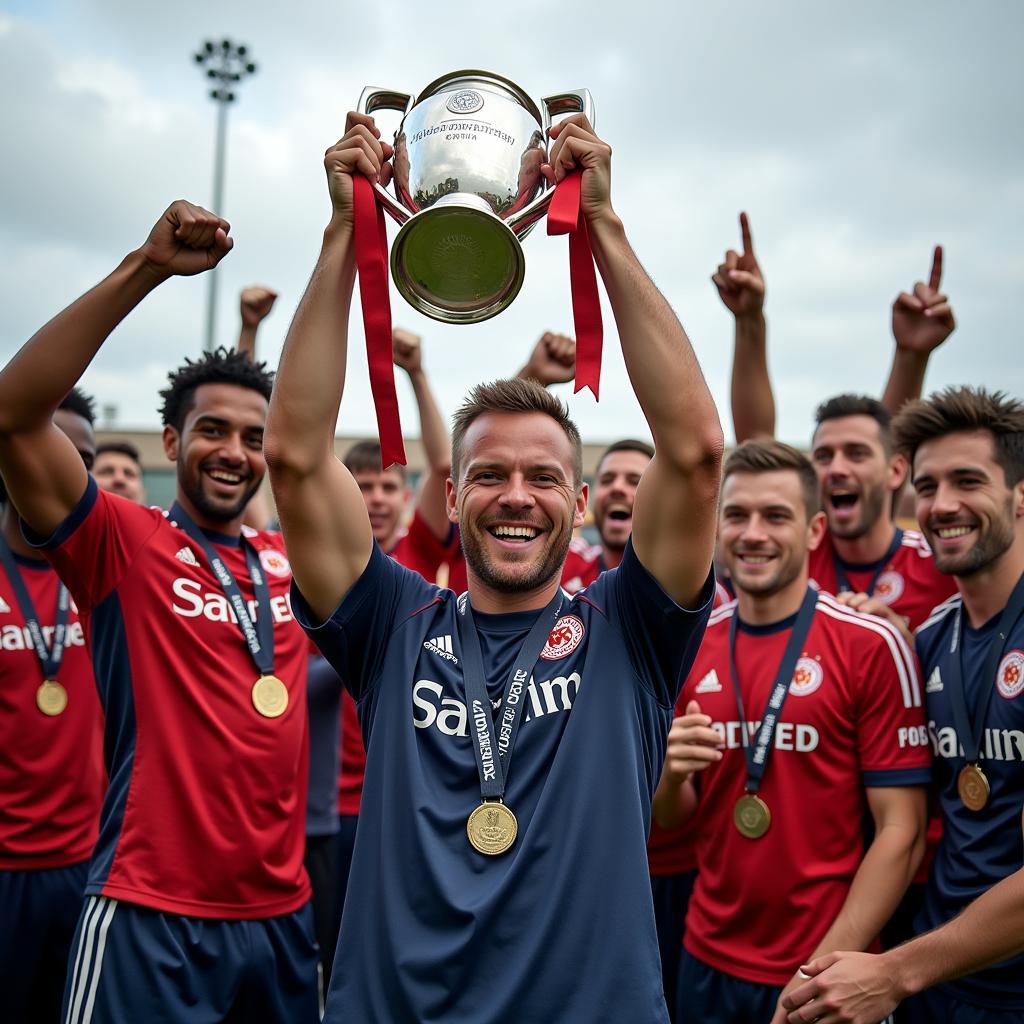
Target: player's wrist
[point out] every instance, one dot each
(907, 976)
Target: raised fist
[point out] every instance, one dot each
(552, 361)
(256, 302)
(186, 240)
(406, 350)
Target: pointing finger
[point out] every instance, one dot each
(935, 278)
(748, 241)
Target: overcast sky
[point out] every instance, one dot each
(856, 135)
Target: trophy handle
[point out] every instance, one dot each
(577, 101)
(371, 99)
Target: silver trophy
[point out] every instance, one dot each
(468, 184)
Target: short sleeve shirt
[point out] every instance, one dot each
(434, 930)
(205, 812)
(852, 720)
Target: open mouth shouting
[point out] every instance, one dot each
(843, 504)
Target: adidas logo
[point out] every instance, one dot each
(709, 684)
(185, 555)
(4, 606)
(442, 645)
(934, 684)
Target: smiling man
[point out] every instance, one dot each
(796, 714)
(489, 887)
(966, 447)
(197, 900)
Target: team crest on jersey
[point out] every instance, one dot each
(186, 555)
(564, 638)
(807, 677)
(889, 588)
(275, 563)
(1010, 677)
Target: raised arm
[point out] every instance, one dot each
(44, 473)
(676, 501)
(921, 321)
(408, 354)
(322, 513)
(254, 305)
(740, 285)
(861, 988)
(552, 361)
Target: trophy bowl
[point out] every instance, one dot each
(468, 187)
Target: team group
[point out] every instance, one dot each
(809, 756)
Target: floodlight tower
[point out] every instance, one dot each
(226, 65)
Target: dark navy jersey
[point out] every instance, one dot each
(978, 848)
(323, 696)
(561, 927)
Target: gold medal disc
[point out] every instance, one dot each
(51, 698)
(492, 828)
(973, 787)
(269, 696)
(751, 816)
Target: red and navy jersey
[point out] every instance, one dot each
(853, 719)
(205, 813)
(978, 848)
(583, 564)
(909, 583)
(51, 768)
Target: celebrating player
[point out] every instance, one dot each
(118, 469)
(796, 711)
(51, 761)
(466, 892)
(197, 898)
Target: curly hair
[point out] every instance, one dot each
(222, 366)
(81, 404)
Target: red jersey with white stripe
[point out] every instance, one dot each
(852, 720)
(437, 562)
(51, 768)
(583, 564)
(909, 583)
(205, 813)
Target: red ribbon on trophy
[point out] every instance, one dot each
(371, 242)
(565, 217)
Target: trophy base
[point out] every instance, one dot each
(457, 262)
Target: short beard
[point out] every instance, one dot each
(785, 575)
(989, 547)
(872, 508)
(211, 509)
(548, 566)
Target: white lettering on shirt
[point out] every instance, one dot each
(788, 735)
(191, 602)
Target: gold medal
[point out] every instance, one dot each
(51, 698)
(751, 816)
(269, 696)
(973, 787)
(492, 828)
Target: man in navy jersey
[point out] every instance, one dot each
(51, 761)
(484, 887)
(966, 448)
(797, 712)
(197, 900)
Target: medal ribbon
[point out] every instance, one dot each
(258, 636)
(371, 243)
(844, 584)
(50, 658)
(566, 218)
(970, 736)
(493, 750)
(757, 756)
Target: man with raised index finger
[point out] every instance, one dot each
(500, 870)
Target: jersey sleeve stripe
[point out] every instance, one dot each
(939, 612)
(897, 777)
(901, 655)
(723, 611)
